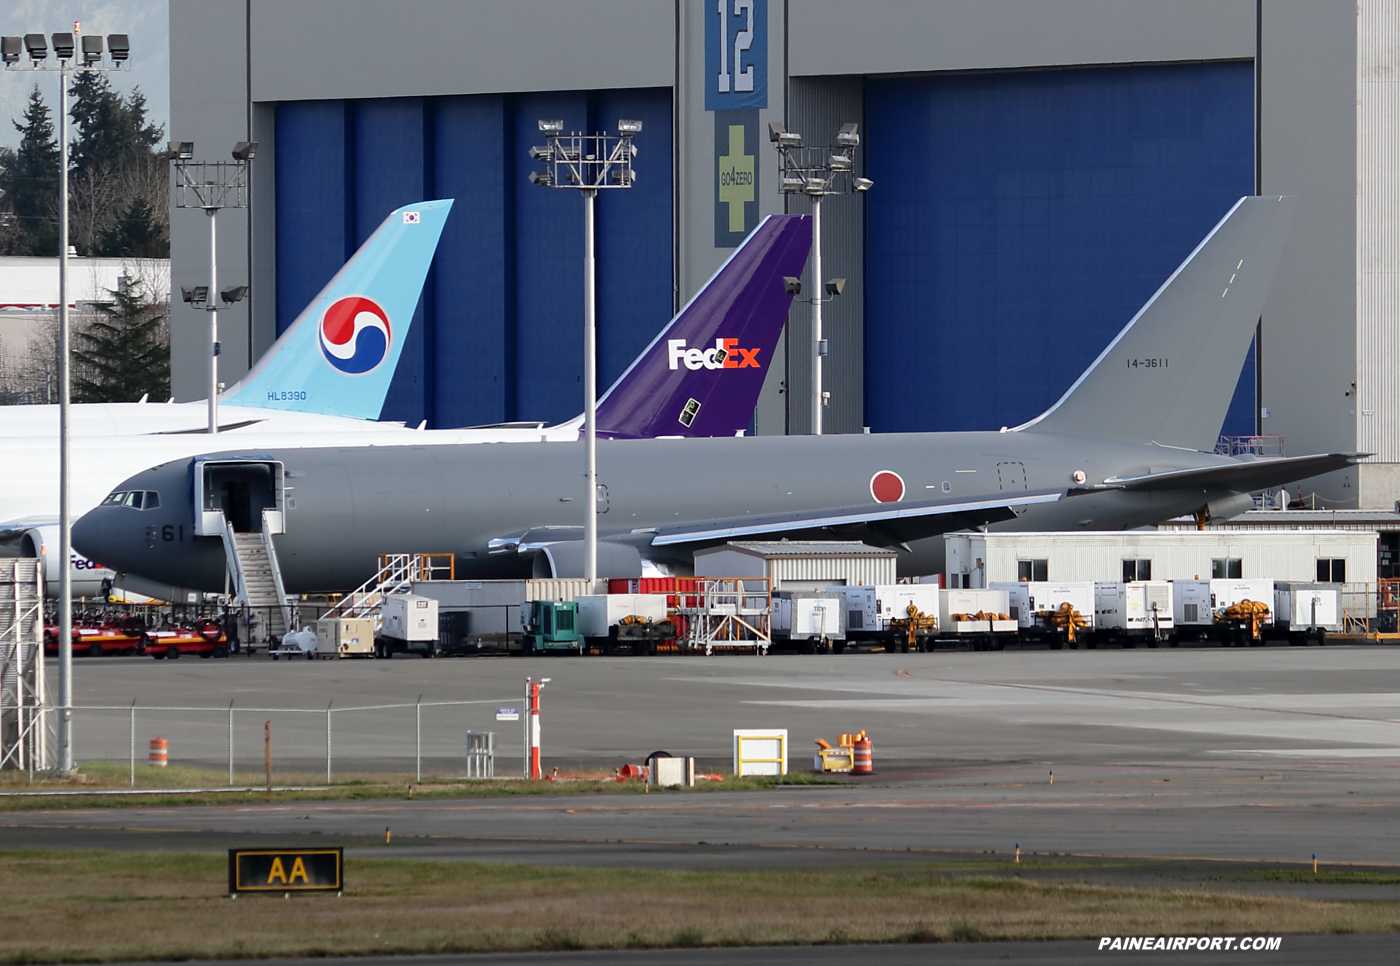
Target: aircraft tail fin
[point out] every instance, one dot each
(702, 374)
(339, 356)
(1168, 377)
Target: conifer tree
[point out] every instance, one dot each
(125, 352)
(29, 178)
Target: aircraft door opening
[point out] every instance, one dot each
(239, 492)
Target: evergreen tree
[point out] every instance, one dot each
(112, 130)
(136, 234)
(125, 353)
(29, 178)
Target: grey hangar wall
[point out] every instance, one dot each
(1040, 167)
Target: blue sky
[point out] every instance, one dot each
(146, 21)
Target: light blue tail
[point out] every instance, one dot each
(339, 356)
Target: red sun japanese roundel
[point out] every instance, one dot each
(887, 486)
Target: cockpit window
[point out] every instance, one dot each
(136, 499)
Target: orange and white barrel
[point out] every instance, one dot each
(157, 757)
(863, 762)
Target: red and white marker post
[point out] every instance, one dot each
(532, 695)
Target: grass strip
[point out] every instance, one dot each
(110, 907)
(161, 787)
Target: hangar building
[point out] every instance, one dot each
(1040, 167)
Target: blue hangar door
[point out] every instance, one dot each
(1020, 220)
(498, 334)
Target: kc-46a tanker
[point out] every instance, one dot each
(1128, 444)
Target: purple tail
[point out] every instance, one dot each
(701, 376)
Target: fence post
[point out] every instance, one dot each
(133, 742)
(328, 742)
(418, 741)
(230, 742)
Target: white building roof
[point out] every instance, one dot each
(32, 283)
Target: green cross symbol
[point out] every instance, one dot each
(736, 178)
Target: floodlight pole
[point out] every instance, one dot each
(212, 186)
(587, 162)
(817, 315)
(65, 65)
(212, 305)
(590, 391)
(65, 510)
(817, 171)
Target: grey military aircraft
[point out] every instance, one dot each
(1128, 444)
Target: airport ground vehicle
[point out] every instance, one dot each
(206, 639)
(812, 621)
(624, 623)
(121, 636)
(550, 626)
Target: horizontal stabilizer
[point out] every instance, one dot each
(1244, 477)
(1168, 377)
(885, 523)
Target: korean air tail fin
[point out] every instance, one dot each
(1168, 377)
(339, 356)
(702, 374)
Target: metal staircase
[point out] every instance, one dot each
(252, 563)
(395, 574)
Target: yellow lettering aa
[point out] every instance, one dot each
(299, 870)
(278, 872)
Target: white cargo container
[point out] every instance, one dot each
(809, 617)
(869, 610)
(1027, 598)
(1195, 604)
(345, 637)
(599, 613)
(894, 601)
(410, 618)
(1307, 611)
(1134, 609)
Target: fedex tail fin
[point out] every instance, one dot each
(339, 356)
(702, 375)
(1169, 375)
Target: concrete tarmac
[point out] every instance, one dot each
(1206, 765)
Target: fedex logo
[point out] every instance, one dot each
(725, 355)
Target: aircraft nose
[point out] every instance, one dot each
(90, 535)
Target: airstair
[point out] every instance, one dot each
(395, 574)
(257, 579)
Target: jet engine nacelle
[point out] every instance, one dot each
(1226, 507)
(565, 559)
(88, 577)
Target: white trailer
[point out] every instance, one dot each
(813, 619)
(981, 635)
(634, 621)
(870, 608)
(1197, 603)
(1132, 611)
(1031, 599)
(1307, 611)
(408, 624)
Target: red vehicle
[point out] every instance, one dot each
(205, 639)
(126, 636)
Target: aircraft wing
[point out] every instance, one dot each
(1242, 477)
(886, 524)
